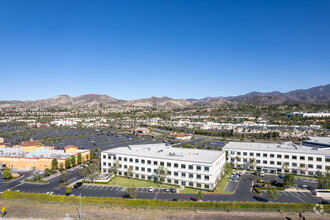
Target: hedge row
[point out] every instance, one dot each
(162, 204)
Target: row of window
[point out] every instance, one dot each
(156, 163)
(279, 163)
(149, 170)
(170, 181)
(279, 156)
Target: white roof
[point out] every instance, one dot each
(318, 140)
(39, 153)
(161, 151)
(288, 147)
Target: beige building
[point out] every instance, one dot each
(32, 156)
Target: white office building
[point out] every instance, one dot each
(285, 157)
(186, 167)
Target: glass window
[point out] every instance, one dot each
(258, 154)
(143, 169)
(258, 161)
(327, 159)
(271, 162)
(130, 159)
(183, 174)
(109, 164)
(244, 153)
(191, 175)
(319, 159)
(198, 176)
(136, 160)
(251, 154)
(238, 153)
(109, 157)
(155, 163)
(207, 186)
(125, 159)
(176, 173)
(149, 162)
(125, 166)
(206, 177)
(176, 165)
(149, 170)
(286, 156)
(136, 168)
(162, 163)
(232, 152)
(279, 156)
(183, 166)
(169, 164)
(294, 164)
(191, 184)
(199, 185)
(264, 155)
(294, 157)
(207, 169)
(279, 163)
(319, 166)
(104, 157)
(143, 161)
(310, 158)
(198, 167)
(104, 163)
(272, 155)
(191, 167)
(302, 158)
(244, 160)
(310, 165)
(264, 162)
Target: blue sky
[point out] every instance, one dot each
(176, 48)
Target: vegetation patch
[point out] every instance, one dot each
(138, 203)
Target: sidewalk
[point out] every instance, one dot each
(52, 176)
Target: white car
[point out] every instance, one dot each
(50, 193)
(151, 189)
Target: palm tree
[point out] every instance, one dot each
(238, 159)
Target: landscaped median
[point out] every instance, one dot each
(138, 203)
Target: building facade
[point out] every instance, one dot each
(285, 157)
(186, 167)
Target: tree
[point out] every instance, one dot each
(64, 176)
(68, 191)
(323, 181)
(6, 173)
(238, 159)
(289, 180)
(61, 166)
(54, 164)
(253, 163)
(113, 170)
(132, 192)
(73, 160)
(67, 163)
(272, 194)
(130, 171)
(162, 173)
(87, 157)
(79, 160)
(36, 176)
(200, 195)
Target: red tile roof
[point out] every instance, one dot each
(31, 143)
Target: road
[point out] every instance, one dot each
(243, 192)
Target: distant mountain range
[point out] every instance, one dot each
(315, 95)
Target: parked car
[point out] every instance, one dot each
(167, 189)
(282, 176)
(304, 186)
(77, 185)
(262, 173)
(151, 189)
(173, 190)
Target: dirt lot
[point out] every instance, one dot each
(28, 210)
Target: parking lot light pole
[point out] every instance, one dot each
(80, 208)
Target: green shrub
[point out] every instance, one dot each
(253, 206)
(257, 190)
